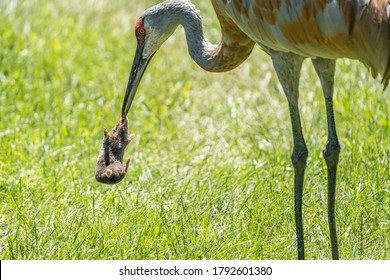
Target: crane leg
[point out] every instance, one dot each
(325, 69)
(288, 67)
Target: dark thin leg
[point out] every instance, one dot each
(325, 69)
(288, 67)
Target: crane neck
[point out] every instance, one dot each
(212, 57)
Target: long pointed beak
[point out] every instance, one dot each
(137, 70)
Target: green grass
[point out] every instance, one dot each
(211, 176)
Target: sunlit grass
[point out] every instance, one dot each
(210, 177)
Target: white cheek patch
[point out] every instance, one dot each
(154, 38)
(147, 48)
(152, 42)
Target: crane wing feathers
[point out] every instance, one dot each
(356, 29)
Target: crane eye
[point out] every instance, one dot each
(141, 31)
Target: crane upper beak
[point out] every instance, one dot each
(137, 70)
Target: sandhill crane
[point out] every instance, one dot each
(289, 31)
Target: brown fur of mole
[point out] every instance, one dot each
(109, 166)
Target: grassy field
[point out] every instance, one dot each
(211, 176)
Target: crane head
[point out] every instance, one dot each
(152, 29)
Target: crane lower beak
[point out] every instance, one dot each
(137, 70)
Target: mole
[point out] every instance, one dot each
(110, 168)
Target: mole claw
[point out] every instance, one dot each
(127, 164)
(106, 133)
